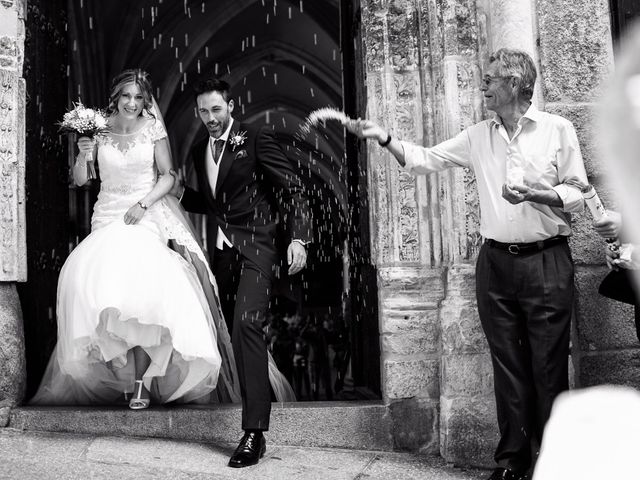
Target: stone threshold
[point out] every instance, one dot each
(363, 425)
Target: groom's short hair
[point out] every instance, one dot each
(214, 84)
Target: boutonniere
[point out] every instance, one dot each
(236, 139)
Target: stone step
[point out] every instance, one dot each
(357, 425)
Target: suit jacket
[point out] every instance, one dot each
(253, 179)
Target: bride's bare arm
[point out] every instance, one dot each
(87, 152)
(163, 186)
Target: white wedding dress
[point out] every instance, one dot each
(123, 287)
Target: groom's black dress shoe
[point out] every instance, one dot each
(250, 451)
(501, 473)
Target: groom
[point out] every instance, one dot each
(242, 172)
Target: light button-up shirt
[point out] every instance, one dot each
(543, 153)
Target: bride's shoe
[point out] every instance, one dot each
(137, 402)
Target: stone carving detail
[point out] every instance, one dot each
(468, 76)
(12, 247)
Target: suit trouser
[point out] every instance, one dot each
(244, 296)
(525, 304)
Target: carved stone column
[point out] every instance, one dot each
(12, 205)
(403, 238)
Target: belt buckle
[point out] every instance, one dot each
(513, 249)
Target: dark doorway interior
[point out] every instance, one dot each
(285, 59)
(623, 14)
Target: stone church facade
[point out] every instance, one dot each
(422, 61)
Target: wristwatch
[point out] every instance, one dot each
(143, 205)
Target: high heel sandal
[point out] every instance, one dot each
(137, 402)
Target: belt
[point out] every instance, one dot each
(521, 248)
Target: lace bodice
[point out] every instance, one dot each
(127, 170)
(126, 161)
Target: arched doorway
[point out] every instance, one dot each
(285, 59)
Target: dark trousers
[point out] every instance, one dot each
(525, 304)
(244, 296)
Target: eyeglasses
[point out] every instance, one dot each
(487, 79)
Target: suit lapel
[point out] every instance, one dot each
(227, 159)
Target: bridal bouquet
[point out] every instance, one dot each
(83, 121)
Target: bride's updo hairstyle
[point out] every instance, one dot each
(141, 79)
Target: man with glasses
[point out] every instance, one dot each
(529, 174)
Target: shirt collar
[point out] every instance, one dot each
(532, 114)
(225, 135)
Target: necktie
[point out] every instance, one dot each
(217, 149)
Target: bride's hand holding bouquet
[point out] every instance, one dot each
(86, 123)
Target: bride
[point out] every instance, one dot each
(133, 314)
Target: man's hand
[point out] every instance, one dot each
(612, 257)
(296, 257)
(177, 190)
(366, 129)
(609, 225)
(515, 194)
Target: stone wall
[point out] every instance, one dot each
(12, 204)
(423, 60)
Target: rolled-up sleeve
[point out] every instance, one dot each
(571, 173)
(454, 152)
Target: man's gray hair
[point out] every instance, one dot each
(517, 64)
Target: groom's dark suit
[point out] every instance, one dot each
(252, 177)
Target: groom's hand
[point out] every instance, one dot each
(296, 257)
(177, 190)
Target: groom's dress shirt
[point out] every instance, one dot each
(213, 168)
(544, 151)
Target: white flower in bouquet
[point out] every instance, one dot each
(83, 121)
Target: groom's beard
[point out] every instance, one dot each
(216, 129)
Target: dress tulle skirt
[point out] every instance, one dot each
(123, 287)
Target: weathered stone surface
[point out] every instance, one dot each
(410, 288)
(461, 281)
(362, 425)
(13, 375)
(12, 219)
(603, 324)
(47, 456)
(4, 416)
(583, 116)
(410, 378)
(460, 27)
(617, 368)
(415, 425)
(410, 332)
(587, 247)
(468, 430)
(466, 375)
(575, 48)
(461, 328)
(401, 20)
